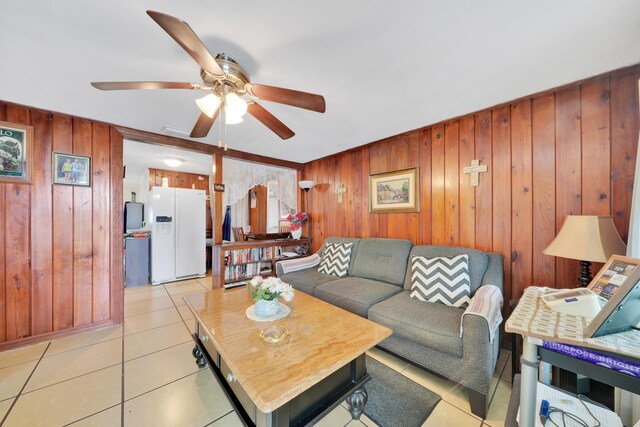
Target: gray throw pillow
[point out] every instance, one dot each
(335, 260)
(444, 280)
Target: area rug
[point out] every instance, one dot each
(395, 400)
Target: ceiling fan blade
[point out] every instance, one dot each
(203, 125)
(182, 33)
(143, 85)
(269, 120)
(295, 98)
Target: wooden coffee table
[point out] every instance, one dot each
(295, 383)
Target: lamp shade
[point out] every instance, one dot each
(587, 238)
(208, 104)
(306, 185)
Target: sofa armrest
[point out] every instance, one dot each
(486, 303)
(291, 265)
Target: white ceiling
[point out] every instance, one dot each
(383, 67)
(138, 157)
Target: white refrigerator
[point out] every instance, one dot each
(178, 233)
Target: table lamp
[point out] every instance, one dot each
(587, 238)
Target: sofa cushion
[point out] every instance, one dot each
(443, 280)
(382, 259)
(354, 249)
(477, 262)
(336, 258)
(306, 280)
(432, 325)
(355, 294)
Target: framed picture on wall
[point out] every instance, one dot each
(395, 191)
(16, 145)
(71, 169)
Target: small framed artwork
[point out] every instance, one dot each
(71, 169)
(395, 191)
(16, 157)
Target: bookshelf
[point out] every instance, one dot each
(240, 261)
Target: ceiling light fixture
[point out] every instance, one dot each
(173, 162)
(234, 108)
(208, 104)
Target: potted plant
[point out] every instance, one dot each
(295, 223)
(265, 292)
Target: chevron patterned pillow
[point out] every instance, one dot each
(441, 279)
(336, 259)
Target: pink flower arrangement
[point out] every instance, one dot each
(296, 221)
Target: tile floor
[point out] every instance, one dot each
(142, 374)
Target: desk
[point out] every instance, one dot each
(536, 322)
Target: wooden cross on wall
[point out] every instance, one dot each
(340, 191)
(474, 170)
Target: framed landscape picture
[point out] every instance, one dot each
(71, 169)
(395, 191)
(16, 144)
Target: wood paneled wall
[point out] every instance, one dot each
(61, 246)
(568, 151)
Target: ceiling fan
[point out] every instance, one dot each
(226, 81)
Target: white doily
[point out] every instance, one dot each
(283, 312)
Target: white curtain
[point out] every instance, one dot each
(239, 177)
(627, 404)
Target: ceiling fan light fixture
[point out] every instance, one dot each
(234, 105)
(208, 104)
(232, 119)
(173, 162)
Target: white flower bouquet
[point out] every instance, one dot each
(269, 289)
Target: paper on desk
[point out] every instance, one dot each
(571, 404)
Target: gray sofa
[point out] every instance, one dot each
(377, 286)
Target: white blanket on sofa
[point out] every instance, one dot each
(486, 303)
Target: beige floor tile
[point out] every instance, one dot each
(230, 420)
(185, 312)
(4, 407)
(157, 369)
(185, 289)
(73, 363)
(154, 292)
(84, 339)
(192, 401)
(108, 418)
(367, 421)
(13, 377)
(358, 423)
(171, 285)
(154, 319)
(504, 357)
(506, 374)
(191, 326)
(499, 404)
(387, 359)
(142, 343)
(178, 299)
(207, 282)
(146, 306)
(22, 354)
(68, 401)
(452, 393)
(445, 414)
(338, 417)
(134, 289)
